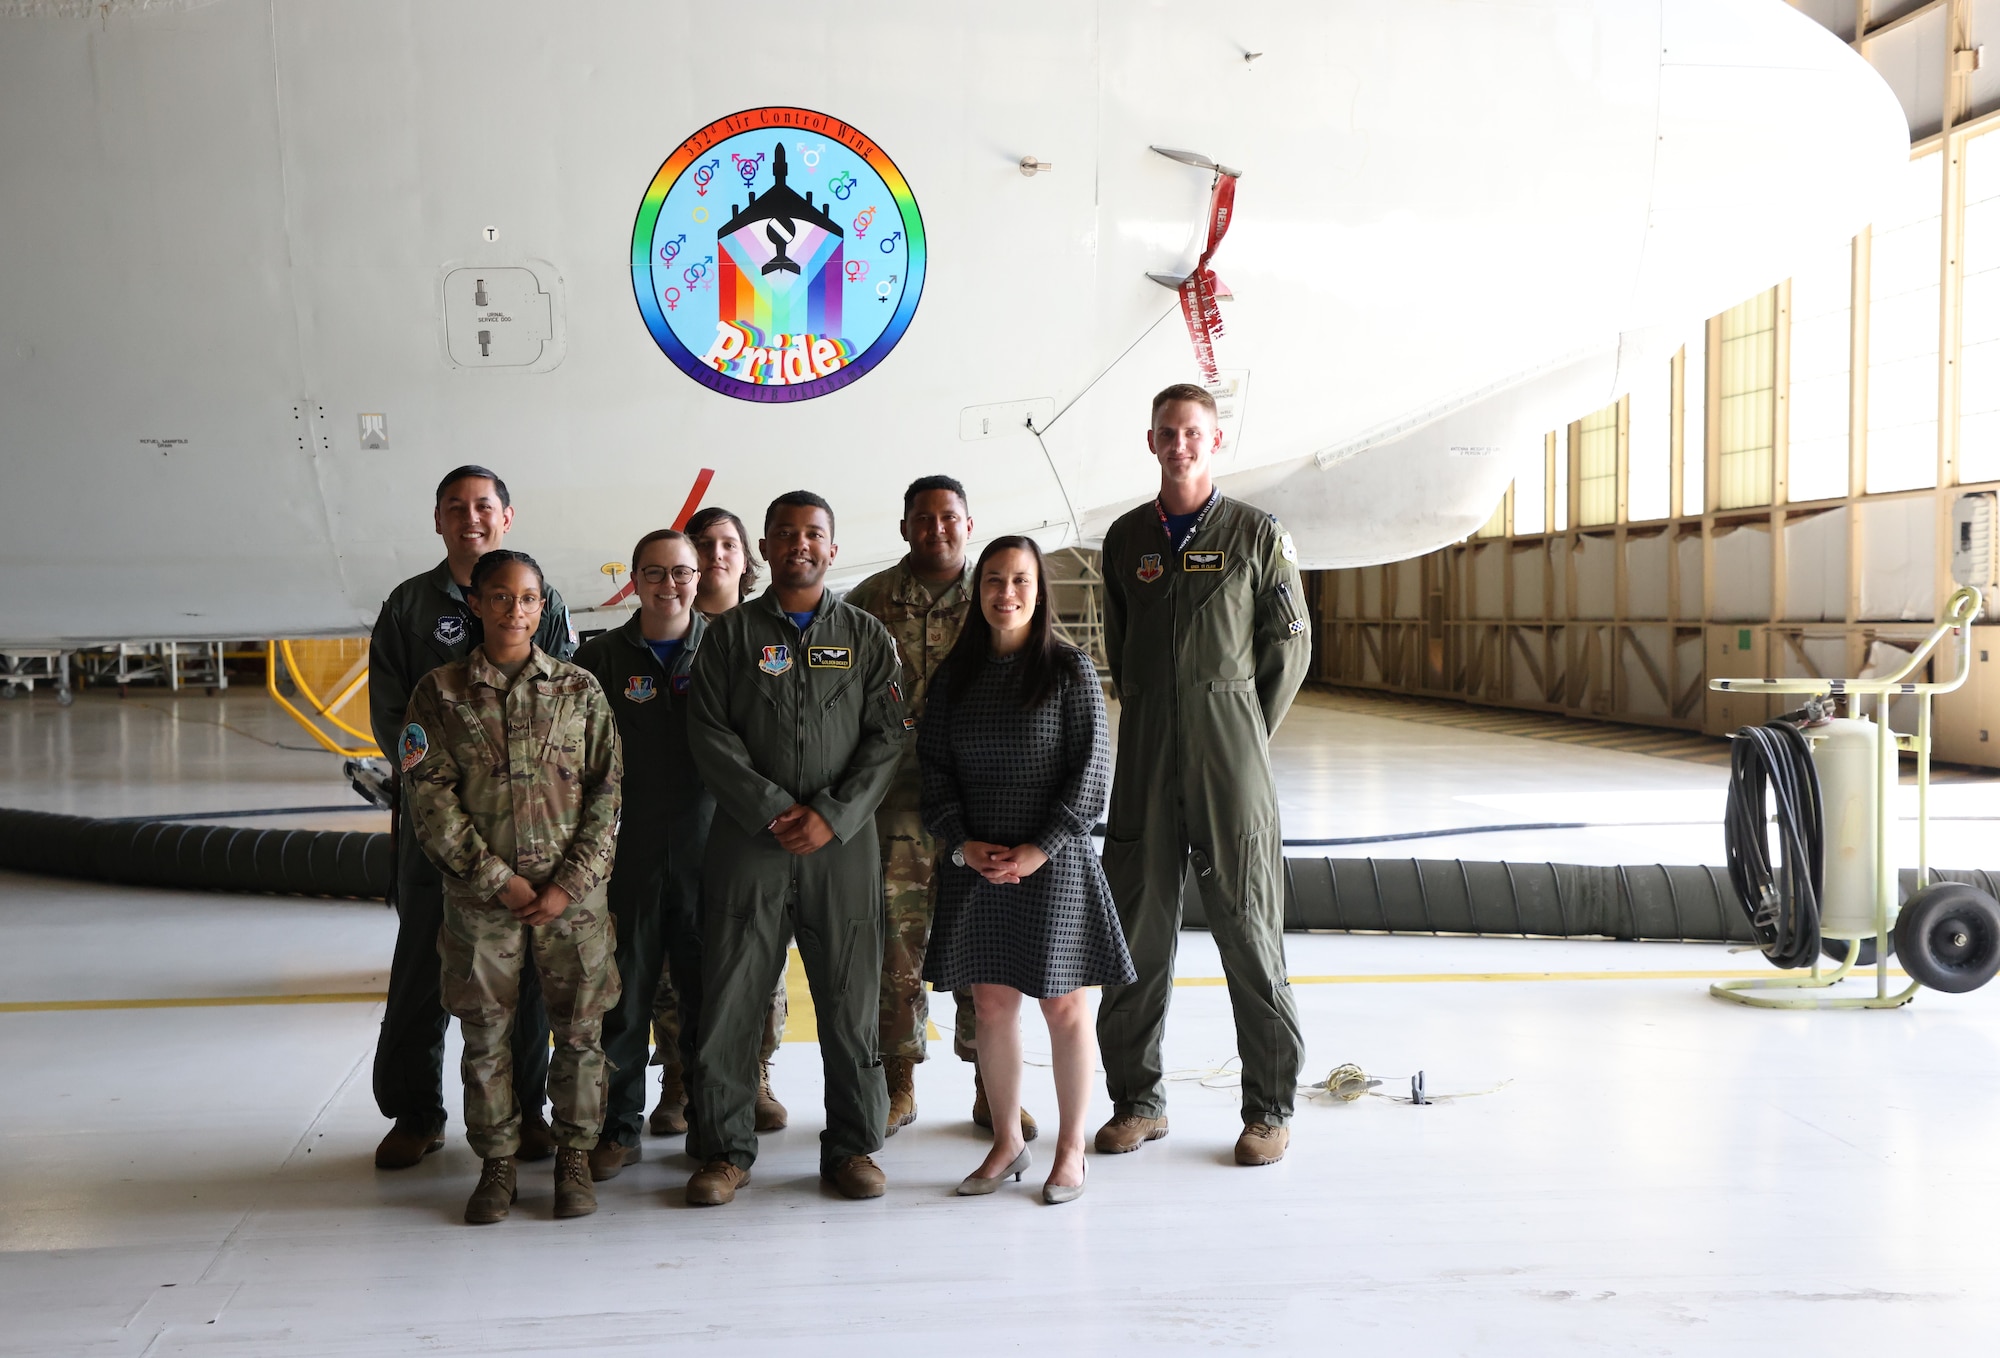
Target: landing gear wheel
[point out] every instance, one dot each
(1949, 937)
(1836, 948)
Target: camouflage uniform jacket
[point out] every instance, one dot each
(924, 629)
(513, 779)
(425, 622)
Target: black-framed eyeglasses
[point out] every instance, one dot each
(652, 575)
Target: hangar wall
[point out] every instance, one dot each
(1779, 499)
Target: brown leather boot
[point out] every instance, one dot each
(494, 1194)
(1127, 1132)
(407, 1144)
(607, 1157)
(574, 1195)
(1262, 1144)
(715, 1183)
(855, 1176)
(771, 1115)
(670, 1118)
(983, 1115)
(538, 1143)
(901, 1075)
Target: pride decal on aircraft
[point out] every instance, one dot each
(778, 255)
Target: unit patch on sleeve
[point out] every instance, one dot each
(639, 688)
(450, 629)
(777, 659)
(1149, 568)
(415, 746)
(909, 723)
(1287, 548)
(830, 657)
(1203, 561)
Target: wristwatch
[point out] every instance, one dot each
(958, 856)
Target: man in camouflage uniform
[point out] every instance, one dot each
(424, 623)
(512, 785)
(923, 600)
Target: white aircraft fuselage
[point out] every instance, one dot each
(267, 270)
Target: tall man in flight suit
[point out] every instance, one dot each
(796, 726)
(1206, 631)
(922, 600)
(425, 622)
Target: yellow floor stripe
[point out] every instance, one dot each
(802, 1025)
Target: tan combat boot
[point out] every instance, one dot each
(1127, 1132)
(983, 1115)
(771, 1115)
(574, 1195)
(407, 1144)
(856, 1176)
(715, 1183)
(901, 1075)
(1262, 1144)
(607, 1157)
(670, 1118)
(494, 1194)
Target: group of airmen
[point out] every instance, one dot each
(620, 842)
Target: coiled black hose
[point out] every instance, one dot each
(1781, 902)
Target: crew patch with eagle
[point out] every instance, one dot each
(415, 746)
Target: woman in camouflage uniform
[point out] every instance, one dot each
(511, 771)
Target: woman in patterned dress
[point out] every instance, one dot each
(1016, 766)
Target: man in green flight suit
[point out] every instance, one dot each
(796, 725)
(425, 622)
(922, 600)
(1206, 632)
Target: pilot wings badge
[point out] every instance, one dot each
(1149, 568)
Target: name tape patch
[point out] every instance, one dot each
(830, 657)
(1203, 561)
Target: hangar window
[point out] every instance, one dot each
(1694, 426)
(1903, 333)
(1597, 466)
(1565, 462)
(1531, 495)
(1649, 443)
(1746, 396)
(1979, 316)
(1821, 344)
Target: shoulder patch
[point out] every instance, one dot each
(1204, 561)
(415, 746)
(450, 629)
(830, 657)
(1286, 548)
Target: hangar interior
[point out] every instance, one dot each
(1794, 494)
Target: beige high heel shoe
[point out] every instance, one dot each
(975, 1186)
(1057, 1194)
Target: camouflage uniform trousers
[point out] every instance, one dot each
(667, 1023)
(909, 899)
(483, 949)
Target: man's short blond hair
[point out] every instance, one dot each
(1184, 391)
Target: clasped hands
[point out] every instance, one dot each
(799, 829)
(533, 905)
(1001, 865)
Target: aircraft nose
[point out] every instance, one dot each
(1774, 137)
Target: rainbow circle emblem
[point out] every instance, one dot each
(778, 255)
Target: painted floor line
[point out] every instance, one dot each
(1381, 978)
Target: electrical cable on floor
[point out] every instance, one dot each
(1781, 901)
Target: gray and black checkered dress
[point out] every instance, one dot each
(995, 772)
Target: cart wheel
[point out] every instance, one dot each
(64, 698)
(1836, 948)
(1949, 937)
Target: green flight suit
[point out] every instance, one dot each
(655, 892)
(1208, 643)
(424, 623)
(781, 716)
(925, 624)
(507, 778)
